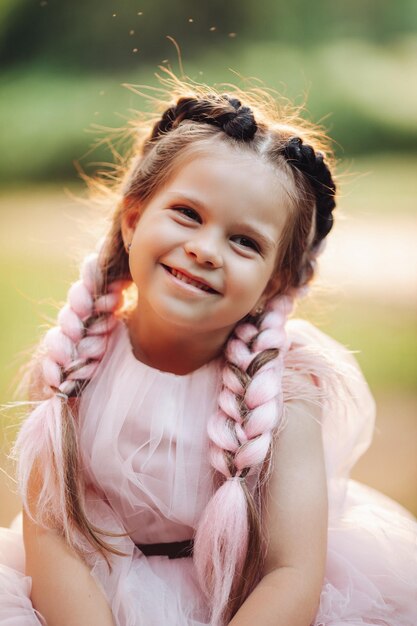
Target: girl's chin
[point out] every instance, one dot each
(186, 319)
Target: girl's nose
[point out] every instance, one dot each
(204, 251)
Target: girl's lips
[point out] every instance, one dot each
(191, 280)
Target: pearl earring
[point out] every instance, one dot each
(259, 310)
(129, 245)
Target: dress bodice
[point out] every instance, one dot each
(144, 442)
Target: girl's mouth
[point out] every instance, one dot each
(188, 280)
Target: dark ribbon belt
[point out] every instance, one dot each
(174, 550)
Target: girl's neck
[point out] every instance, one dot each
(172, 350)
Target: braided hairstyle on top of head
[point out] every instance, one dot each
(235, 120)
(313, 166)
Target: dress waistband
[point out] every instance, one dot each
(173, 550)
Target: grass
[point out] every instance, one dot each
(25, 283)
(383, 338)
(379, 185)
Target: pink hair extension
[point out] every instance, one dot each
(240, 442)
(71, 353)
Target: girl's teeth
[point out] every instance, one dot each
(188, 280)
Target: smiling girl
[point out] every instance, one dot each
(186, 461)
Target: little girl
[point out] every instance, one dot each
(186, 460)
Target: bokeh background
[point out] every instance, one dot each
(354, 64)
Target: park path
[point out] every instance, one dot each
(374, 257)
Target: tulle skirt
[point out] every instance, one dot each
(371, 573)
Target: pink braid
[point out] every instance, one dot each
(241, 435)
(71, 353)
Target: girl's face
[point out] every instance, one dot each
(204, 248)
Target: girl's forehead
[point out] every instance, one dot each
(234, 187)
(227, 173)
(223, 152)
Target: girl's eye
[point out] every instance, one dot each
(246, 242)
(189, 213)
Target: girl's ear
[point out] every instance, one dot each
(271, 289)
(269, 292)
(129, 219)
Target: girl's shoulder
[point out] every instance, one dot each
(319, 355)
(303, 333)
(322, 371)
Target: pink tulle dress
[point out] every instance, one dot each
(144, 445)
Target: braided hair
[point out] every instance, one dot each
(47, 442)
(229, 543)
(235, 120)
(313, 166)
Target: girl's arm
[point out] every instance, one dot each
(296, 524)
(63, 590)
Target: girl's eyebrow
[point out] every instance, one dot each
(182, 196)
(266, 242)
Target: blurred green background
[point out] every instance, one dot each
(62, 66)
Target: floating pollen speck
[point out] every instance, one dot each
(114, 14)
(135, 50)
(212, 28)
(140, 12)
(232, 35)
(190, 19)
(164, 60)
(131, 32)
(43, 3)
